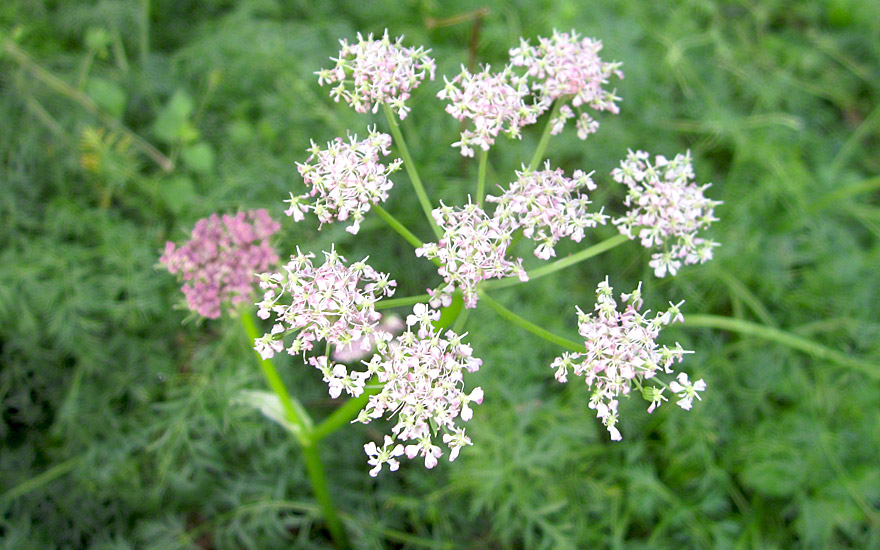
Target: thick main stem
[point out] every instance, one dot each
(530, 326)
(319, 485)
(545, 137)
(411, 169)
(784, 338)
(294, 411)
(302, 425)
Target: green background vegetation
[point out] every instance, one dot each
(117, 426)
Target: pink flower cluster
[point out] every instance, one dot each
(621, 352)
(472, 249)
(331, 302)
(548, 206)
(218, 264)
(372, 72)
(667, 208)
(422, 372)
(568, 66)
(346, 178)
(493, 101)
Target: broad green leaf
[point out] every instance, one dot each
(172, 125)
(177, 193)
(198, 157)
(268, 404)
(108, 95)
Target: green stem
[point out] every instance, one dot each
(345, 413)
(319, 485)
(402, 230)
(411, 169)
(545, 137)
(568, 261)
(781, 337)
(846, 191)
(481, 177)
(397, 226)
(294, 411)
(144, 33)
(849, 147)
(741, 291)
(530, 326)
(38, 481)
(304, 434)
(400, 302)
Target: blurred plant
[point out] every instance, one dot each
(109, 159)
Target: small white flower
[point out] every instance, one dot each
(686, 391)
(385, 455)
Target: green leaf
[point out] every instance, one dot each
(198, 157)
(177, 193)
(108, 95)
(267, 403)
(97, 38)
(173, 125)
(240, 131)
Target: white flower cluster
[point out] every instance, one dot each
(621, 352)
(472, 249)
(495, 102)
(548, 207)
(374, 72)
(668, 209)
(346, 179)
(422, 372)
(332, 302)
(566, 66)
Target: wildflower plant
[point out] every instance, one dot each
(328, 316)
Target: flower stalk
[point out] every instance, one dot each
(545, 137)
(397, 226)
(541, 332)
(560, 264)
(411, 169)
(781, 337)
(318, 478)
(481, 177)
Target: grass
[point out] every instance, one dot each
(119, 425)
